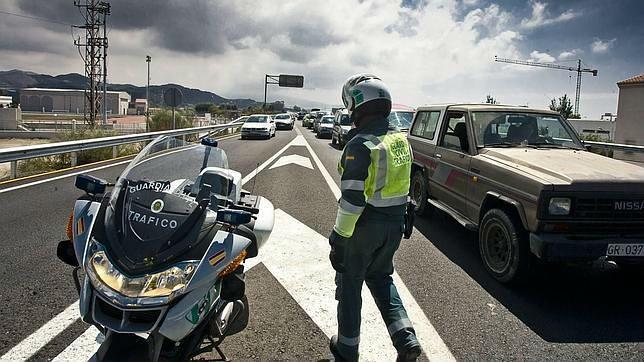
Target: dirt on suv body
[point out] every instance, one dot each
(522, 178)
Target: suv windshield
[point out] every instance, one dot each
(282, 116)
(400, 120)
(345, 120)
(522, 129)
(327, 119)
(257, 119)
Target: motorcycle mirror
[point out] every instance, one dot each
(233, 217)
(207, 141)
(91, 184)
(66, 254)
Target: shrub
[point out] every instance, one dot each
(162, 120)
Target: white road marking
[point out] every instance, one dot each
(295, 142)
(30, 345)
(431, 342)
(293, 159)
(297, 256)
(327, 177)
(83, 348)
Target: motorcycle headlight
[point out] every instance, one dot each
(559, 206)
(167, 283)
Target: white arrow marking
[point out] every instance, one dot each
(293, 159)
(297, 256)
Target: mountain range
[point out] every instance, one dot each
(19, 79)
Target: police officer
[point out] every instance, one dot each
(375, 168)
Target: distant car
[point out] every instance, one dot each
(307, 121)
(258, 125)
(341, 126)
(401, 117)
(325, 127)
(284, 121)
(318, 118)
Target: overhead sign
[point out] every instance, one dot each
(294, 81)
(172, 97)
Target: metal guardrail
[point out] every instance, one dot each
(615, 146)
(15, 154)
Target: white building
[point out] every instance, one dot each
(68, 101)
(630, 123)
(5, 101)
(602, 128)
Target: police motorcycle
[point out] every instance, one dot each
(159, 260)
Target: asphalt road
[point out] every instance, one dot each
(567, 313)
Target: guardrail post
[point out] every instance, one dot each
(183, 138)
(74, 157)
(13, 172)
(115, 151)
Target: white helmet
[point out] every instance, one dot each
(366, 94)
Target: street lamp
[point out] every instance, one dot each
(148, 59)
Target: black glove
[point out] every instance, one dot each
(338, 244)
(410, 216)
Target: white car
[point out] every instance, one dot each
(341, 127)
(325, 128)
(258, 125)
(284, 120)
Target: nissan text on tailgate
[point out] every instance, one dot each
(522, 178)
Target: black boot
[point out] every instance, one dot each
(333, 346)
(334, 349)
(409, 354)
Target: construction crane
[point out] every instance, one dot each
(577, 69)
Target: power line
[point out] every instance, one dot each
(35, 18)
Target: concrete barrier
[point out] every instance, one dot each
(28, 134)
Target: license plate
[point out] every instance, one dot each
(625, 250)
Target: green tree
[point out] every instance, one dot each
(563, 105)
(490, 100)
(162, 120)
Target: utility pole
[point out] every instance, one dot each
(148, 59)
(95, 45)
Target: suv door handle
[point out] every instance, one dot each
(438, 155)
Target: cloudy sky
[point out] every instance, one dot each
(427, 51)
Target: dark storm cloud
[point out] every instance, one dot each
(186, 26)
(195, 26)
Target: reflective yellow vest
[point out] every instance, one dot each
(387, 183)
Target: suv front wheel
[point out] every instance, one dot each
(504, 248)
(418, 192)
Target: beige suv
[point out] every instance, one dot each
(522, 178)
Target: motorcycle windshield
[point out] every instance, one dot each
(160, 208)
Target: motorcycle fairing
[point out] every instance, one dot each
(175, 325)
(86, 211)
